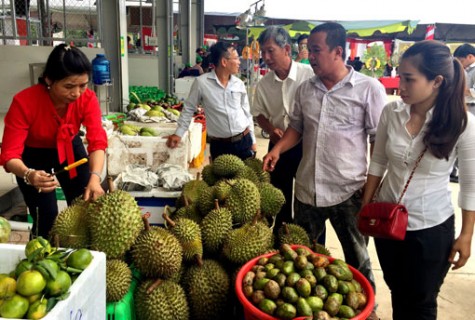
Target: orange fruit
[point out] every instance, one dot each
(30, 282)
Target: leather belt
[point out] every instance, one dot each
(235, 138)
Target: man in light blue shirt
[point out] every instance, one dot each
(229, 123)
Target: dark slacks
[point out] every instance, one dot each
(343, 219)
(241, 148)
(43, 207)
(283, 178)
(414, 269)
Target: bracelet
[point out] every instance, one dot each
(26, 176)
(97, 174)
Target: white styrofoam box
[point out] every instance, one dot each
(87, 299)
(183, 86)
(152, 151)
(152, 203)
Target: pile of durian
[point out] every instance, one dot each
(188, 266)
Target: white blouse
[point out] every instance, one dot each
(427, 198)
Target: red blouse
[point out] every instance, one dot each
(33, 121)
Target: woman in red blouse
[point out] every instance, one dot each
(41, 134)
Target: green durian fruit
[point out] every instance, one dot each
(247, 242)
(115, 221)
(247, 173)
(215, 228)
(208, 175)
(227, 165)
(243, 201)
(206, 200)
(207, 288)
(166, 302)
(272, 199)
(118, 279)
(188, 233)
(157, 253)
(70, 227)
(290, 233)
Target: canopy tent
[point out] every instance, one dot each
(354, 28)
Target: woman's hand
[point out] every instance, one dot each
(42, 181)
(93, 191)
(462, 247)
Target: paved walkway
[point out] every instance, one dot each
(456, 296)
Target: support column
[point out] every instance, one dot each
(164, 31)
(185, 31)
(114, 25)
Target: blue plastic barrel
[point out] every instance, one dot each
(101, 73)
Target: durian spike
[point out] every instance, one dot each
(146, 224)
(110, 184)
(154, 286)
(167, 218)
(216, 204)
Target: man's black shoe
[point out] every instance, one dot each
(454, 179)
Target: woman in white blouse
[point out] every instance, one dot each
(431, 115)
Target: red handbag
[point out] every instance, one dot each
(386, 220)
(383, 220)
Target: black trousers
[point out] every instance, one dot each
(414, 269)
(43, 207)
(283, 178)
(241, 148)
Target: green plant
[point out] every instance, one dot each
(375, 59)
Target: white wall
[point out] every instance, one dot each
(14, 66)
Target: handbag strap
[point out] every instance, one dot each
(412, 173)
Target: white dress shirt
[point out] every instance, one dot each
(274, 97)
(335, 125)
(470, 73)
(427, 198)
(226, 108)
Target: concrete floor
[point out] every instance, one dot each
(454, 299)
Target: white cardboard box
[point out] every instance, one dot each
(87, 299)
(152, 151)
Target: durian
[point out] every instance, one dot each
(247, 242)
(207, 288)
(188, 233)
(70, 227)
(272, 199)
(243, 201)
(290, 233)
(192, 189)
(118, 279)
(247, 173)
(188, 211)
(166, 302)
(320, 248)
(257, 165)
(206, 200)
(157, 253)
(208, 175)
(115, 221)
(215, 228)
(227, 165)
